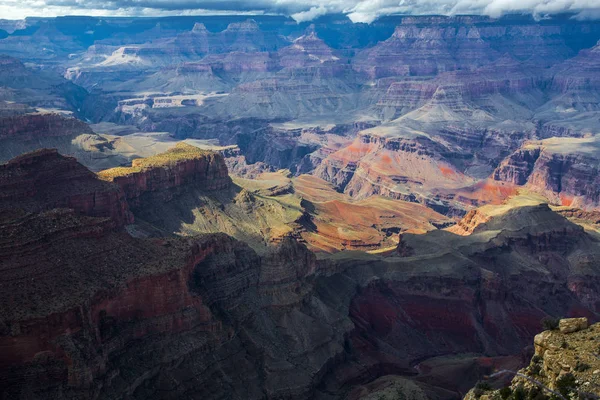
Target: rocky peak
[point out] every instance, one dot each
(199, 28)
(310, 34)
(307, 50)
(310, 30)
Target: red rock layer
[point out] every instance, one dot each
(88, 310)
(43, 180)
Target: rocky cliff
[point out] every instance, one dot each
(507, 77)
(44, 180)
(479, 302)
(432, 45)
(39, 126)
(517, 168)
(578, 73)
(307, 50)
(38, 88)
(167, 174)
(405, 167)
(419, 50)
(563, 169)
(28, 132)
(103, 314)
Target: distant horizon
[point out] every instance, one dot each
(365, 11)
(565, 14)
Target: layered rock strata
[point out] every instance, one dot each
(563, 169)
(87, 310)
(167, 173)
(44, 180)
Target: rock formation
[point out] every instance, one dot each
(28, 132)
(24, 85)
(578, 73)
(564, 365)
(166, 278)
(40, 126)
(405, 168)
(163, 175)
(563, 169)
(98, 302)
(418, 50)
(44, 180)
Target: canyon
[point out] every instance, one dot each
(250, 207)
(208, 315)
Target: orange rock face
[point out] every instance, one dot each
(565, 170)
(338, 222)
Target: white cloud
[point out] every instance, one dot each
(311, 14)
(300, 10)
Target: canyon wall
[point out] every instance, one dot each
(40, 126)
(44, 180)
(164, 175)
(89, 310)
(565, 170)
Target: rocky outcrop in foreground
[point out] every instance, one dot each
(565, 365)
(89, 311)
(45, 180)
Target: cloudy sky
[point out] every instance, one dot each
(301, 10)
